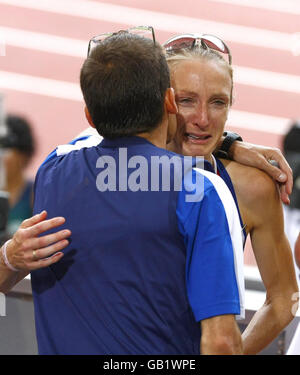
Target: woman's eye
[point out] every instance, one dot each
(220, 103)
(185, 100)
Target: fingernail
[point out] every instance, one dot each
(282, 177)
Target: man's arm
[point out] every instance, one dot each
(220, 336)
(27, 252)
(275, 263)
(214, 259)
(258, 157)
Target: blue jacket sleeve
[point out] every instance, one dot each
(211, 264)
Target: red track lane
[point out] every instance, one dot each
(225, 13)
(266, 101)
(54, 23)
(265, 59)
(41, 64)
(84, 29)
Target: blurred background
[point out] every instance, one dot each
(44, 43)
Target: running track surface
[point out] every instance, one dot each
(43, 44)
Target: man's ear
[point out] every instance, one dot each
(170, 102)
(88, 117)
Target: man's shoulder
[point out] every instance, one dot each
(64, 150)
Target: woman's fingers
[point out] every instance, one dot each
(43, 226)
(34, 220)
(30, 248)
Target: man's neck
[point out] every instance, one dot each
(158, 136)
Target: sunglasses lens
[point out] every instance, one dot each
(180, 43)
(214, 43)
(189, 41)
(145, 32)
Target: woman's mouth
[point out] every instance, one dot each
(197, 139)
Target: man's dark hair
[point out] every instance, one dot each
(20, 135)
(124, 81)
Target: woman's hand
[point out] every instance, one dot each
(27, 252)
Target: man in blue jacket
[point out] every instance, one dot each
(154, 264)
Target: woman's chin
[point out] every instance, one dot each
(190, 149)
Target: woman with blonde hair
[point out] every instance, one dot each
(203, 82)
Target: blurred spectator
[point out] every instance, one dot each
(17, 156)
(291, 148)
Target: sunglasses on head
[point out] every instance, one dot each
(144, 31)
(190, 41)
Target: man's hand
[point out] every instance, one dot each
(259, 157)
(26, 251)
